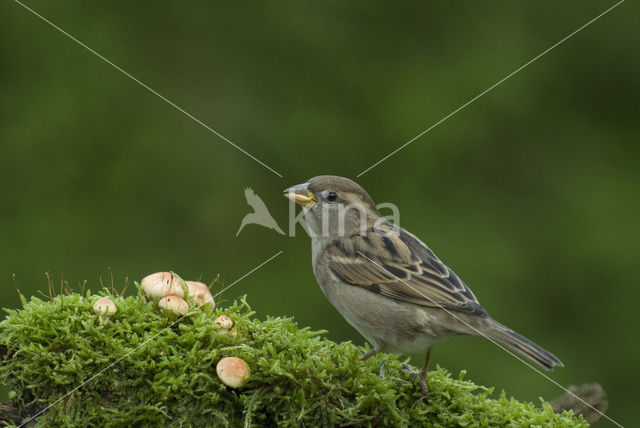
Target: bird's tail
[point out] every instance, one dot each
(522, 346)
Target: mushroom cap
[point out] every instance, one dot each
(233, 371)
(104, 306)
(224, 322)
(199, 293)
(174, 303)
(160, 284)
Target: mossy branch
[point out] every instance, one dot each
(298, 377)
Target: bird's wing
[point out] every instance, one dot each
(254, 201)
(249, 195)
(401, 267)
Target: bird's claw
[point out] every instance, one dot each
(368, 355)
(423, 385)
(383, 368)
(411, 372)
(417, 374)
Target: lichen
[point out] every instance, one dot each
(147, 368)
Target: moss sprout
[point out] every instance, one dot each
(162, 370)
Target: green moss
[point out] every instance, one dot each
(298, 377)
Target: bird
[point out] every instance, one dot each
(387, 283)
(260, 215)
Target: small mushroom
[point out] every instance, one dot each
(174, 303)
(105, 308)
(224, 323)
(160, 284)
(233, 371)
(199, 294)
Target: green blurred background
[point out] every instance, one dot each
(530, 194)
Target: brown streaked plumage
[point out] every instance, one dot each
(394, 267)
(387, 283)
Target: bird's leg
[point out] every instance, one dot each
(383, 368)
(422, 374)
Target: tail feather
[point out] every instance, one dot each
(522, 346)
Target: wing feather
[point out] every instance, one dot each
(401, 267)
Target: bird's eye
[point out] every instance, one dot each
(332, 196)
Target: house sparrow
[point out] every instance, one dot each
(387, 283)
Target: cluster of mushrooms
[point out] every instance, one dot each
(170, 291)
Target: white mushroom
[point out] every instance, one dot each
(233, 371)
(174, 303)
(105, 308)
(160, 284)
(199, 294)
(224, 323)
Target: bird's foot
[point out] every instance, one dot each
(369, 354)
(417, 374)
(411, 372)
(383, 368)
(423, 385)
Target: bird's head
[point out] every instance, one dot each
(334, 206)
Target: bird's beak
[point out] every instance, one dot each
(300, 194)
